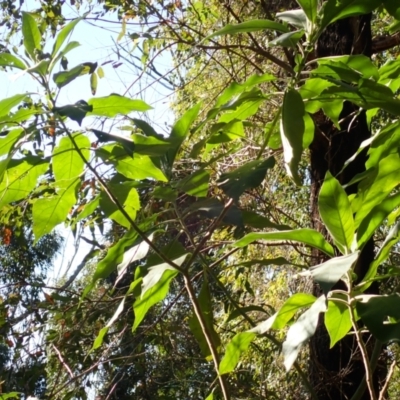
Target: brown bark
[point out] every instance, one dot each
(336, 373)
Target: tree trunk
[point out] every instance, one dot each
(336, 373)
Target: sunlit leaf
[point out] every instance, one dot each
(310, 8)
(9, 60)
(63, 35)
(64, 77)
(114, 104)
(7, 104)
(337, 321)
(297, 18)
(31, 34)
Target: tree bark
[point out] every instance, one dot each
(336, 373)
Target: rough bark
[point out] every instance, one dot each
(336, 373)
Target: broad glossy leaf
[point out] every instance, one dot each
(309, 237)
(63, 35)
(297, 18)
(114, 104)
(67, 163)
(337, 321)
(334, 10)
(381, 315)
(31, 34)
(76, 111)
(248, 176)
(246, 106)
(7, 104)
(180, 131)
(292, 130)
(205, 302)
(336, 213)
(255, 25)
(127, 196)
(9, 60)
(375, 218)
(51, 211)
(310, 8)
(330, 272)
(289, 39)
(20, 179)
(301, 331)
(236, 347)
(155, 287)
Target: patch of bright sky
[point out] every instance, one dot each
(98, 39)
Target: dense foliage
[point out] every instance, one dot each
(266, 217)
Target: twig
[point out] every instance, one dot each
(60, 357)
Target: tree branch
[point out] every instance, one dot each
(382, 43)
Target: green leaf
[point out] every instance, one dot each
(180, 131)
(330, 272)
(70, 46)
(31, 34)
(93, 83)
(7, 104)
(255, 25)
(114, 104)
(248, 176)
(63, 35)
(375, 218)
(236, 347)
(67, 163)
(309, 237)
(336, 213)
(296, 18)
(9, 60)
(258, 221)
(301, 331)
(150, 145)
(20, 179)
(238, 312)
(138, 168)
(49, 212)
(381, 315)
(76, 111)
(10, 395)
(8, 142)
(195, 184)
(127, 196)
(127, 143)
(292, 130)
(289, 39)
(155, 287)
(310, 8)
(205, 303)
(64, 77)
(337, 321)
(334, 10)
(393, 8)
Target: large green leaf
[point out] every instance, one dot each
(76, 111)
(337, 321)
(62, 78)
(301, 331)
(205, 302)
(67, 163)
(63, 35)
(289, 39)
(8, 142)
(310, 8)
(114, 104)
(51, 211)
(336, 213)
(292, 131)
(155, 286)
(9, 60)
(330, 272)
(195, 184)
(309, 237)
(31, 34)
(236, 347)
(334, 10)
(249, 26)
(297, 18)
(7, 104)
(248, 176)
(381, 315)
(70, 46)
(20, 179)
(105, 137)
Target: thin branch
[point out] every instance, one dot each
(382, 43)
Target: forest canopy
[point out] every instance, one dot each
(233, 199)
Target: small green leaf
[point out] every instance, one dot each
(248, 176)
(255, 25)
(195, 184)
(236, 347)
(31, 34)
(381, 315)
(309, 237)
(93, 83)
(70, 46)
(337, 321)
(8, 60)
(297, 18)
(292, 131)
(100, 72)
(64, 77)
(336, 213)
(63, 35)
(289, 39)
(330, 272)
(7, 104)
(301, 331)
(114, 104)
